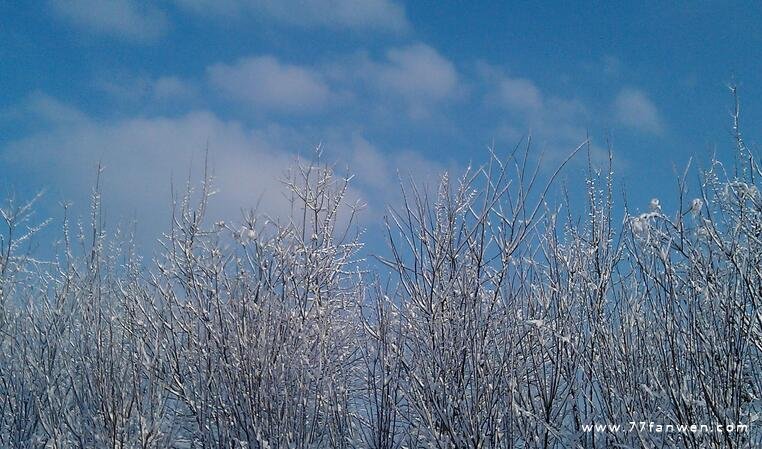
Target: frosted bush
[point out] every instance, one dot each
(489, 323)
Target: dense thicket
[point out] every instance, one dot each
(502, 322)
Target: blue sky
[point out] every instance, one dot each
(418, 87)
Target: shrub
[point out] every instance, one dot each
(493, 322)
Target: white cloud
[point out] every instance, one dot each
(172, 87)
(141, 155)
(516, 95)
(555, 123)
(416, 72)
(136, 89)
(383, 15)
(132, 20)
(370, 166)
(267, 84)
(519, 94)
(379, 173)
(50, 110)
(634, 109)
(416, 77)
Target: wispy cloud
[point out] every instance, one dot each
(416, 76)
(145, 21)
(379, 172)
(556, 123)
(141, 155)
(172, 87)
(129, 88)
(265, 83)
(383, 15)
(634, 109)
(417, 72)
(47, 109)
(130, 20)
(518, 94)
